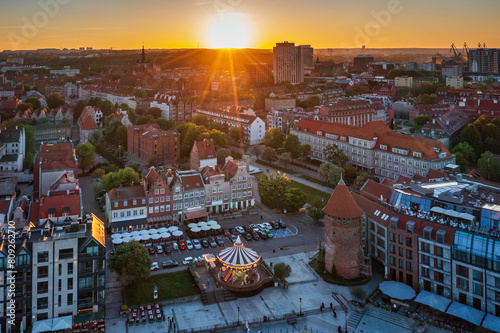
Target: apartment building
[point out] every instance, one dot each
(188, 195)
(403, 81)
(126, 207)
(147, 141)
(288, 63)
(158, 196)
(375, 148)
(52, 133)
(217, 190)
(242, 184)
(285, 118)
(68, 269)
(252, 127)
(259, 73)
(456, 82)
(353, 112)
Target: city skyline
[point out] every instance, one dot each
(247, 24)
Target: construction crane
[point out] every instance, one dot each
(479, 45)
(484, 45)
(458, 55)
(466, 49)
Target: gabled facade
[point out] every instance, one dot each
(217, 191)
(242, 184)
(188, 193)
(126, 208)
(159, 199)
(203, 154)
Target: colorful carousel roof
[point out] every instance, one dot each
(238, 255)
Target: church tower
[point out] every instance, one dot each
(345, 235)
(143, 63)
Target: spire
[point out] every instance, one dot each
(341, 203)
(341, 181)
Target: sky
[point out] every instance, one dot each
(124, 24)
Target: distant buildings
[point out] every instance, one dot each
(126, 207)
(363, 61)
(353, 112)
(290, 62)
(403, 81)
(484, 61)
(89, 121)
(385, 90)
(285, 118)
(52, 133)
(375, 148)
(456, 82)
(259, 73)
(12, 149)
(147, 141)
(278, 102)
(432, 111)
(252, 127)
(450, 71)
(174, 107)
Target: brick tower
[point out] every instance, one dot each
(343, 231)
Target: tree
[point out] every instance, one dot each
(361, 180)
(274, 138)
(200, 119)
(273, 189)
(350, 173)
(236, 135)
(24, 106)
(192, 133)
(285, 159)
(98, 173)
(295, 199)
(292, 145)
(330, 173)
(427, 99)
(282, 271)
(421, 120)
(218, 137)
(35, 102)
(489, 167)
(465, 155)
(85, 153)
(152, 161)
(28, 161)
(146, 119)
(222, 153)
(335, 155)
(471, 135)
(314, 210)
(154, 112)
(96, 137)
(304, 151)
(165, 124)
(358, 293)
(131, 263)
(55, 100)
(116, 134)
(123, 177)
(269, 154)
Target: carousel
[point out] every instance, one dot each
(239, 266)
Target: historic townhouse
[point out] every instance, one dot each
(242, 184)
(375, 148)
(158, 196)
(217, 190)
(126, 208)
(188, 195)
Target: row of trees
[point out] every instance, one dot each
(276, 192)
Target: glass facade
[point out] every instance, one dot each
(410, 201)
(490, 216)
(477, 250)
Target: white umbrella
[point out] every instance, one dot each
(397, 290)
(212, 222)
(205, 228)
(154, 231)
(156, 236)
(173, 228)
(128, 239)
(146, 237)
(192, 225)
(196, 229)
(216, 226)
(116, 236)
(162, 230)
(177, 233)
(165, 235)
(144, 232)
(117, 241)
(134, 233)
(137, 238)
(201, 224)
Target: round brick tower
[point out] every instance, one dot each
(343, 233)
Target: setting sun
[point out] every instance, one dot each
(228, 30)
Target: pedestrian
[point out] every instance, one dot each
(334, 314)
(208, 283)
(339, 329)
(331, 305)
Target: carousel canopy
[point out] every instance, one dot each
(116, 236)
(238, 255)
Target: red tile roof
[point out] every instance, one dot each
(208, 171)
(373, 190)
(230, 168)
(152, 175)
(129, 192)
(205, 149)
(433, 174)
(190, 182)
(58, 203)
(86, 120)
(342, 204)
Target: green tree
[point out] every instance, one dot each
(154, 112)
(330, 173)
(116, 134)
(193, 133)
(85, 154)
(269, 154)
(427, 99)
(350, 173)
(29, 133)
(314, 210)
(421, 120)
(152, 161)
(35, 102)
(282, 271)
(236, 135)
(274, 138)
(200, 119)
(222, 153)
(361, 179)
(471, 135)
(292, 145)
(54, 100)
(465, 155)
(147, 119)
(285, 159)
(335, 155)
(273, 189)
(489, 166)
(98, 173)
(77, 112)
(131, 263)
(123, 177)
(165, 124)
(24, 106)
(294, 199)
(28, 161)
(96, 137)
(218, 137)
(304, 151)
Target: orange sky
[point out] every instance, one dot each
(123, 24)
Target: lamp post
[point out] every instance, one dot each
(238, 316)
(300, 309)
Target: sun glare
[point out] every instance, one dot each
(228, 30)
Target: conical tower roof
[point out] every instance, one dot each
(342, 204)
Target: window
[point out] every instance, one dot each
(125, 203)
(167, 208)
(425, 260)
(409, 254)
(393, 261)
(65, 253)
(439, 264)
(400, 251)
(150, 200)
(129, 213)
(401, 263)
(393, 248)
(150, 210)
(439, 277)
(425, 247)
(70, 300)
(134, 202)
(400, 239)
(42, 303)
(477, 289)
(116, 204)
(462, 271)
(43, 256)
(92, 250)
(43, 272)
(409, 266)
(43, 287)
(162, 191)
(70, 268)
(409, 241)
(70, 283)
(393, 236)
(167, 198)
(439, 251)
(477, 276)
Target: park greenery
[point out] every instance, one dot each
(122, 177)
(85, 154)
(282, 271)
(131, 263)
(276, 192)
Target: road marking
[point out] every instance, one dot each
(296, 230)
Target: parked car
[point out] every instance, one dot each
(159, 249)
(212, 242)
(175, 246)
(225, 232)
(233, 238)
(189, 260)
(248, 228)
(196, 244)
(275, 225)
(268, 226)
(167, 249)
(204, 243)
(151, 250)
(282, 224)
(240, 230)
(189, 245)
(255, 235)
(263, 235)
(247, 236)
(169, 263)
(182, 246)
(220, 241)
(269, 233)
(261, 227)
(154, 266)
